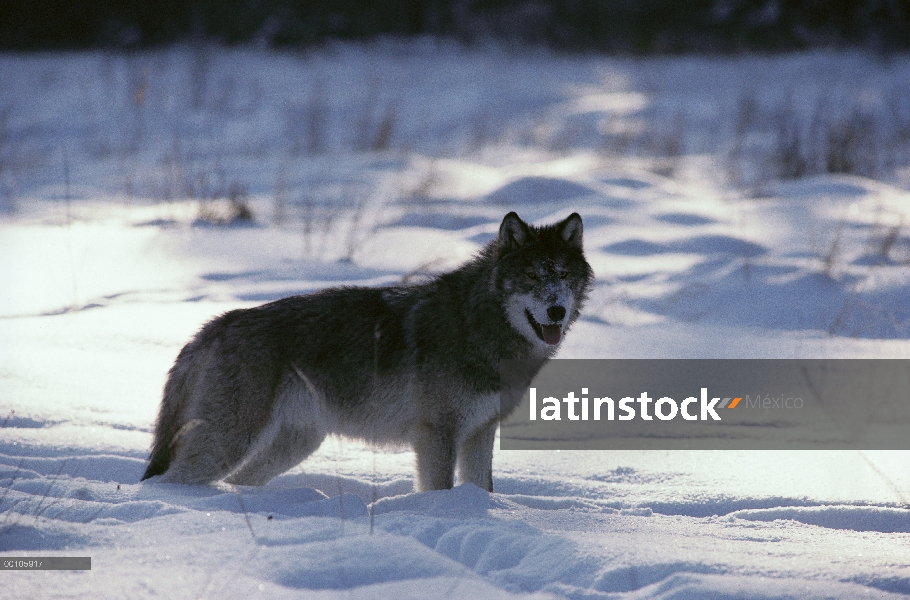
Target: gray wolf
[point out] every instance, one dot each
(257, 390)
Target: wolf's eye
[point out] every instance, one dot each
(563, 274)
(531, 275)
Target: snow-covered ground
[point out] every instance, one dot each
(369, 165)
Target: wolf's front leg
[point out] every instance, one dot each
(475, 456)
(435, 449)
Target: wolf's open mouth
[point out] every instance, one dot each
(551, 334)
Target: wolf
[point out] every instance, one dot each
(257, 390)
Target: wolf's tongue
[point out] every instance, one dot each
(551, 333)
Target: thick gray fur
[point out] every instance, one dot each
(257, 390)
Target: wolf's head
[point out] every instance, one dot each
(543, 277)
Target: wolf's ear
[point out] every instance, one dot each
(513, 233)
(571, 230)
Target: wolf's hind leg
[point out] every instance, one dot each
(293, 432)
(475, 456)
(287, 445)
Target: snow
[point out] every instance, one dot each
(116, 171)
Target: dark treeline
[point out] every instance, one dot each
(625, 26)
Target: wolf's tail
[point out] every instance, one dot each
(171, 416)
